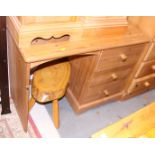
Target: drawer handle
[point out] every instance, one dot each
(106, 93)
(123, 57)
(52, 39)
(114, 76)
(146, 84)
(153, 67)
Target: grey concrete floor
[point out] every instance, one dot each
(89, 122)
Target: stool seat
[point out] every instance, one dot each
(50, 83)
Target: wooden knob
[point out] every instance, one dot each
(106, 93)
(123, 57)
(114, 76)
(146, 84)
(153, 67)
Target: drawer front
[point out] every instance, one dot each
(117, 57)
(114, 75)
(102, 91)
(142, 85)
(146, 68)
(151, 53)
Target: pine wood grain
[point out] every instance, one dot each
(145, 69)
(137, 125)
(151, 52)
(44, 52)
(19, 72)
(126, 45)
(50, 82)
(101, 77)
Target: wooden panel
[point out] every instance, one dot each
(112, 75)
(145, 23)
(106, 21)
(25, 34)
(81, 69)
(19, 81)
(131, 77)
(137, 125)
(146, 68)
(47, 51)
(117, 57)
(151, 53)
(45, 19)
(142, 84)
(101, 91)
(81, 40)
(78, 108)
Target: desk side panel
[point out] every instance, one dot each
(19, 81)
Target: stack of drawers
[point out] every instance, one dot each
(144, 79)
(107, 74)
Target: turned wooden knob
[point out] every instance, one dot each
(106, 93)
(153, 67)
(146, 84)
(114, 76)
(123, 57)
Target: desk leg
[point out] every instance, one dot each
(19, 72)
(4, 86)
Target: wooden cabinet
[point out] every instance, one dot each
(103, 51)
(102, 77)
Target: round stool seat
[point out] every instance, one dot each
(50, 83)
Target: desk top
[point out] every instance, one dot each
(89, 43)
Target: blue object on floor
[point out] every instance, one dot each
(84, 125)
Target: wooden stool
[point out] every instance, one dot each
(49, 84)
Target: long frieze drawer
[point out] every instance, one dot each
(113, 75)
(101, 91)
(145, 69)
(142, 85)
(117, 57)
(151, 53)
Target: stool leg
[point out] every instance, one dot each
(55, 113)
(31, 103)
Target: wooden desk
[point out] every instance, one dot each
(23, 58)
(4, 86)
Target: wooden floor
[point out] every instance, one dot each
(140, 124)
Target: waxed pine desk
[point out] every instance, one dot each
(22, 59)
